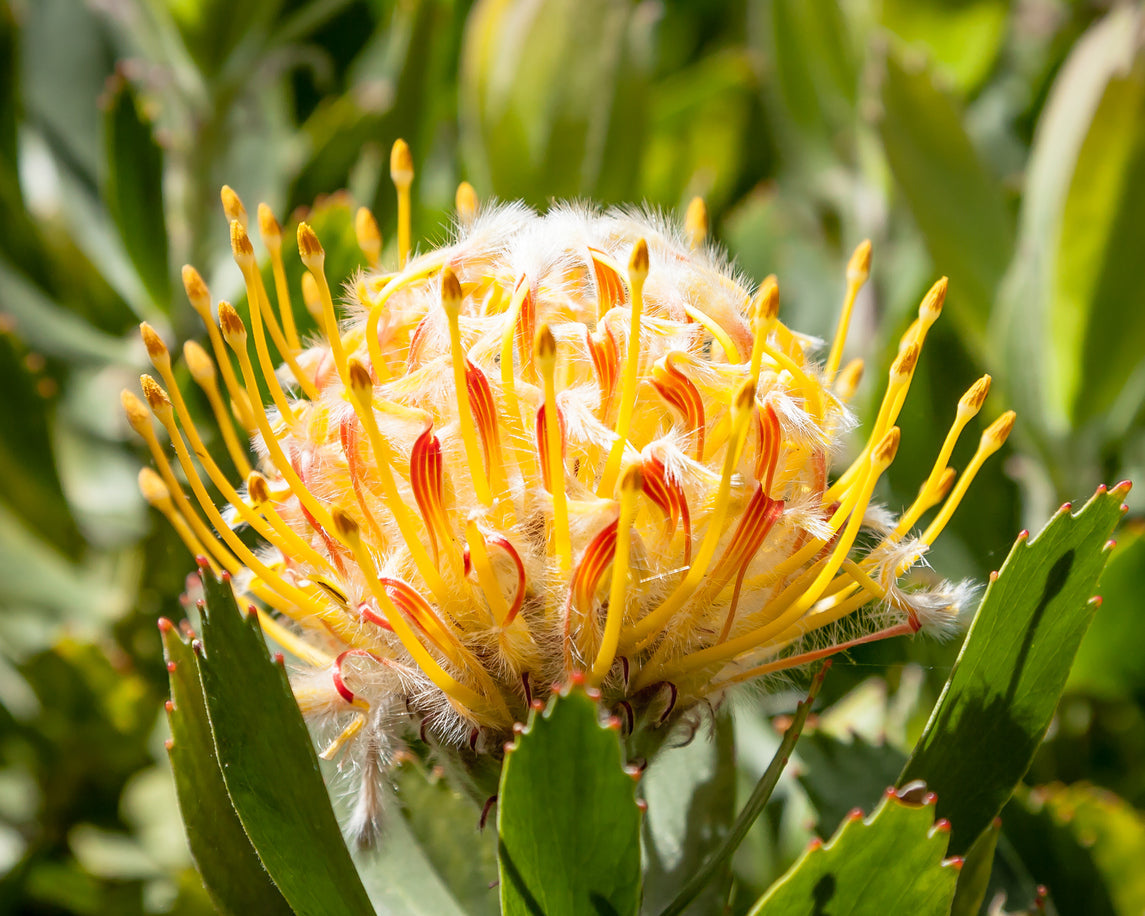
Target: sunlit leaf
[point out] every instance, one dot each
(1043, 362)
(1005, 686)
(269, 765)
(230, 868)
(567, 818)
(891, 862)
(1097, 317)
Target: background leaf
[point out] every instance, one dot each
(1013, 666)
(1082, 842)
(567, 818)
(691, 796)
(955, 201)
(1098, 311)
(133, 188)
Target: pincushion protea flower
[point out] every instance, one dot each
(570, 443)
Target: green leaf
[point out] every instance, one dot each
(956, 202)
(974, 878)
(133, 189)
(567, 818)
(962, 38)
(690, 792)
(446, 825)
(1043, 386)
(53, 330)
(27, 462)
(230, 868)
(816, 72)
(892, 862)
(1085, 844)
(1001, 695)
(269, 764)
(1108, 663)
(541, 119)
(714, 864)
(1097, 315)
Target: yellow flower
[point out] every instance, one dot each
(570, 443)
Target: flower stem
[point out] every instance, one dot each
(755, 804)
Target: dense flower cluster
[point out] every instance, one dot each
(569, 442)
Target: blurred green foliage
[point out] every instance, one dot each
(1003, 144)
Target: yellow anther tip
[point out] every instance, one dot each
(696, 221)
(155, 394)
(545, 348)
(466, 202)
(632, 481)
(859, 267)
(368, 234)
(944, 484)
(887, 448)
(850, 377)
(199, 364)
(268, 226)
(998, 431)
(361, 384)
(240, 243)
(345, 525)
(233, 206)
(197, 292)
(156, 349)
(309, 247)
(971, 402)
(401, 164)
(638, 263)
(744, 397)
(257, 488)
(310, 295)
(233, 328)
(153, 488)
(931, 306)
(136, 411)
(905, 362)
(767, 301)
(451, 295)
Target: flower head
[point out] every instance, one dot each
(569, 443)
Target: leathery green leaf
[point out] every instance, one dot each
(133, 188)
(1097, 314)
(269, 764)
(567, 819)
(891, 862)
(957, 204)
(690, 792)
(974, 879)
(230, 868)
(1084, 843)
(1005, 685)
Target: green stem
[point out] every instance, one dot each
(755, 803)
